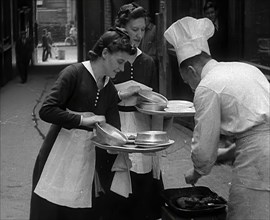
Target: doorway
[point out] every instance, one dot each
(56, 32)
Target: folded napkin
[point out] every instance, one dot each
(156, 165)
(121, 183)
(131, 101)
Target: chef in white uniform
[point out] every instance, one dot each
(232, 99)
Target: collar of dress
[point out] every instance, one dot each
(208, 66)
(132, 59)
(87, 65)
(139, 52)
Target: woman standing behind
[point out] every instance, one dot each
(140, 72)
(71, 177)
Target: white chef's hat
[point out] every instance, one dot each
(189, 36)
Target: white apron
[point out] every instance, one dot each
(133, 122)
(250, 191)
(69, 171)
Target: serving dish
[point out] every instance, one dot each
(133, 148)
(150, 96)
(177, 109)
(110, 135)
(185, 113)
(179, 103)
(151, 137)
(171, 196)
(152, 106)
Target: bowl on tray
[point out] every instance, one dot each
(150, 96)
(151, 138)
(151, 101)
(110, 135)
(151, 106)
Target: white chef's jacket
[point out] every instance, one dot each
(231, 98)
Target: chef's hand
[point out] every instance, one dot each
(192, 176)
(92, 120)
(130, 91)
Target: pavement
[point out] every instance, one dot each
(22, 133)
(61, 55)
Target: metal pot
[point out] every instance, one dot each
(151, 137)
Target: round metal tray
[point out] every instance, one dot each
(132, 148)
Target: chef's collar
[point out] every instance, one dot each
(88, 66)
(207, 67)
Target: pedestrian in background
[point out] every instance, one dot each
(23, 49)
(50, 44)
(45, 45)
(140, 73)
(232, 99)
(73, 34)
(218, 42)
(72, 178)
(149, 41)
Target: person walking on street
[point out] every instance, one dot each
(45, 45)
(23, 49)
(231, 99)
(72, 178)
(50, 44)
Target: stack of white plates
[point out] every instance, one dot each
(179, 106)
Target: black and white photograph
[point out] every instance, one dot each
(135, 110)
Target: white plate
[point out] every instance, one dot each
(179, 103)
(132, 148)
(189, 113)
(179, 110)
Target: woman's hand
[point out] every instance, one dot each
(92, 120)
(192, 176)
(130, 91)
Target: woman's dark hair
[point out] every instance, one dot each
(115, 39)
(128, 12)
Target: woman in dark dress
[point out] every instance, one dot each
(140, 73)
(71, 177)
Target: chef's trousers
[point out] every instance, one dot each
(249, 196)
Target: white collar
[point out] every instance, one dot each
(208, 66)
(138, 53)
(88, 66)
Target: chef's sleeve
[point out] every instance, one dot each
(207, 130)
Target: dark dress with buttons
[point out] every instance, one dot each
(143, 70)
(145, 201)
(76, 90)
